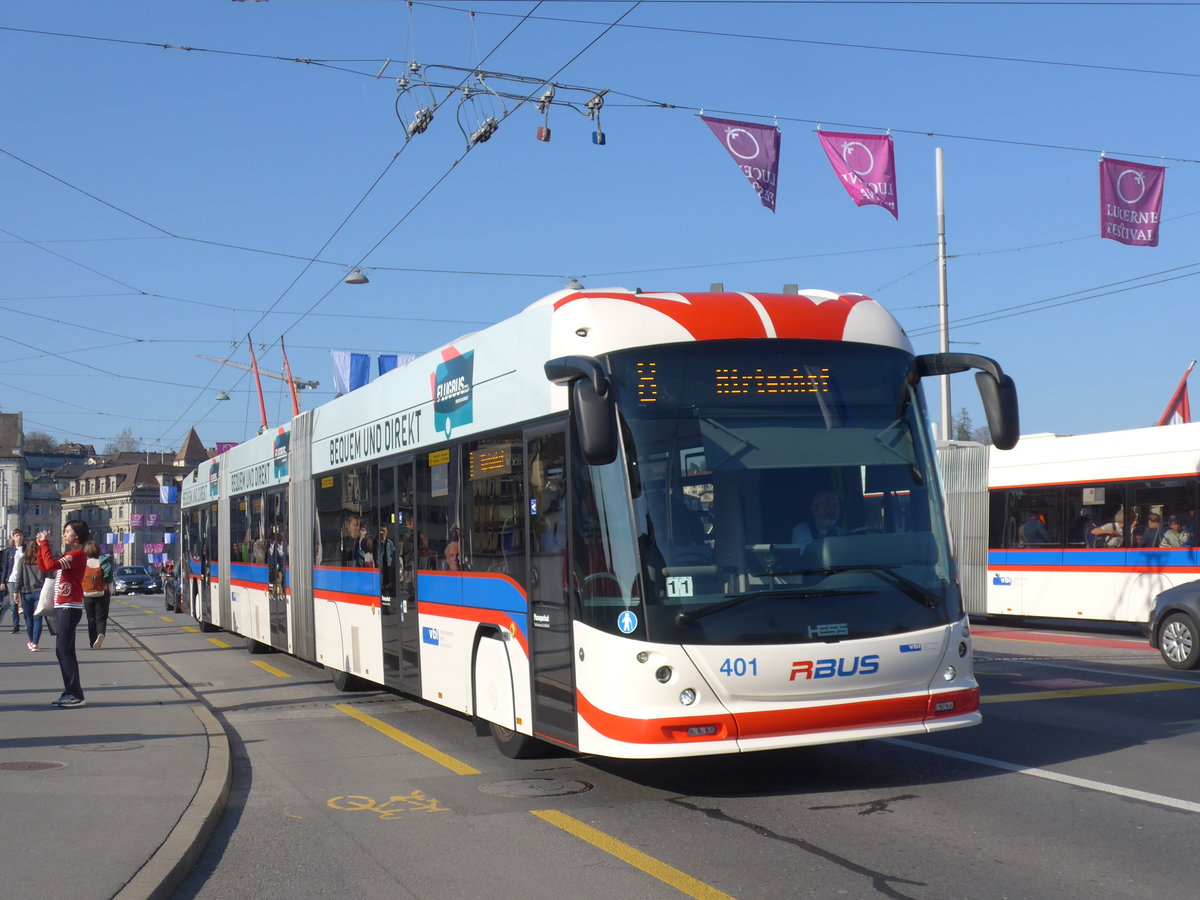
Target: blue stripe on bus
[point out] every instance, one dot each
(248, 573)
(480, 591)
(1139, 558)
(347, 581)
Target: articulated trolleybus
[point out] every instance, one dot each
(591, 525)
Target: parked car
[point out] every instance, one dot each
(155, 578)
(174, 600)
(1175, 625)
(132, 580)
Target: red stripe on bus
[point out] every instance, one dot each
(477, 614)
(344, 597)
(1112, 570)
(1039, 484)
(780, 723)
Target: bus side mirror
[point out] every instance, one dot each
(997, 390)
(999, 397)
(592, 407)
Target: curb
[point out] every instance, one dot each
(173, 860)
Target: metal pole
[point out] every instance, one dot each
(943, 307)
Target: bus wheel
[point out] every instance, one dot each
(1179, 642)
(515, 745)
(348, 683)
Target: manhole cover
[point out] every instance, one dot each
(535, 787)
(29, 766)
(102, 747)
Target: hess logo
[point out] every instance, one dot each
(835, 668)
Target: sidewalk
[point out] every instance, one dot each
(113, 799)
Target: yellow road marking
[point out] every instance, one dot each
(412, 743)
(220, 643)
(191, 629)
(669, 875)
(166, 618)
(148, 612)
(1092, 692)
(267, 667)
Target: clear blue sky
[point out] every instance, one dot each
(159, 202)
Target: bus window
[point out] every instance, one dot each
(1097, 513)
(604, 572)
(496, 496)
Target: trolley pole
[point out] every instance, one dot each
(943, 307)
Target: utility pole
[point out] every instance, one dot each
(943, 305)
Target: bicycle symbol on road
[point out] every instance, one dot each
(393, 808)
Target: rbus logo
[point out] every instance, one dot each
(836, 668)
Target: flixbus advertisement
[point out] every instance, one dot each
(479, 383)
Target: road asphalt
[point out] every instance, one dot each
(113, 799)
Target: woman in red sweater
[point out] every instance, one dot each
(68, 603)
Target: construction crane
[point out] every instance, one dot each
(302, 385)
(292, 383)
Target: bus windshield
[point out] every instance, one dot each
(782, 491)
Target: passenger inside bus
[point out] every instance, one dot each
(1152, 534)
(1176, 535)
(1111, 534)
(1034, 531)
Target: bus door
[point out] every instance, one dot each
(275, 519)
(395, 557)
(207, 544)
(550, 646)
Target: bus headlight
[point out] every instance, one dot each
(663, 674)
(687, 696)
(950, 674)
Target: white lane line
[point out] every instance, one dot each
(1086, 784)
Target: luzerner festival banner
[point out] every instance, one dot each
(866, 166)
(755, 149)
(1131, 202)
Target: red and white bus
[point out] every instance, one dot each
(589, 526)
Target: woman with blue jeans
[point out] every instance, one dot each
(28, 582)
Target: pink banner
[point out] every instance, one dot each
(755, 149)
(135, 520)
(151, 520)
(866, 165)
(1130, 202)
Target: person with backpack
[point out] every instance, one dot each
(68, 603)
(96, 594)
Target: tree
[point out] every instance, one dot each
(123, 443)
(982, 435)
(38, 442)
(962, 425)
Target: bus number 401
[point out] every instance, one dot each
(739, 667)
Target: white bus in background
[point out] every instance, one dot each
(1098, 553)
(578, 526)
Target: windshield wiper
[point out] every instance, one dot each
(922, 595)
(686, 618)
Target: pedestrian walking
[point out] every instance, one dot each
(28, 587)
(96, 593)
(9, 560)
(68, 603)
